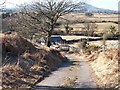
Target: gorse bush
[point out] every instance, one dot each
(93, 48)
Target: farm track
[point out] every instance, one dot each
(74, 74)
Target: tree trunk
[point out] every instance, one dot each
(49, 35)
(104, 42)
(48, 40)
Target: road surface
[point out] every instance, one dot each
(74, 74)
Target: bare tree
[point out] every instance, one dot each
(3, 2)
(113, 30)
(23, 25)
(68, 29)
(105, 36)
(49, 11)
(90, 28)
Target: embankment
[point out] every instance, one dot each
(105, 66)
(23, 64)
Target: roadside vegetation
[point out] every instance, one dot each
(27, 65)
(105, 66)
(92, 36)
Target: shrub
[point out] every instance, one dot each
(91, 48)
(89, 14)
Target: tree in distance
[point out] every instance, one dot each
(49, 11)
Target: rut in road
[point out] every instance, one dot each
(76, 69)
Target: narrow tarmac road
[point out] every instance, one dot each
(73, 74)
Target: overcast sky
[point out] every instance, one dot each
(107, 4)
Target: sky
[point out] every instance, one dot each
(106, 4)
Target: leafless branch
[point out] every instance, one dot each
(3, 2)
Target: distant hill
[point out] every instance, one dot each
(83, 8)
(93, 9)
(8, 10)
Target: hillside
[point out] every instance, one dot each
(24, 64)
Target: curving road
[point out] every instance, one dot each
(75, 74)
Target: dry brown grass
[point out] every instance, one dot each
(105, 66)
(104, 19)
(24, 64)
(96, 17)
